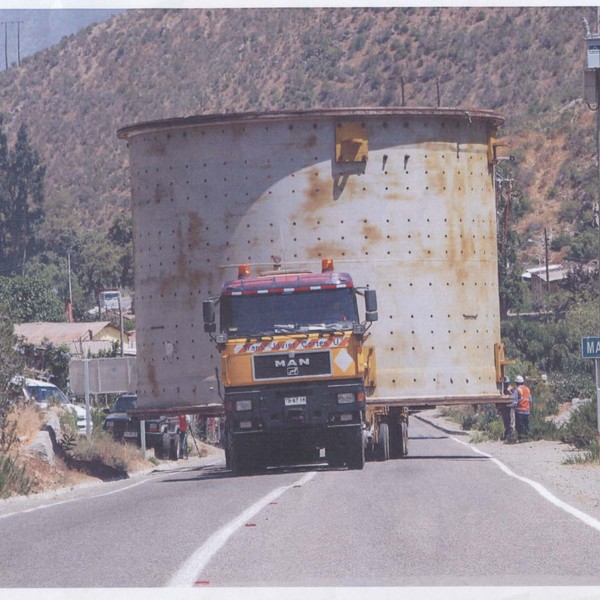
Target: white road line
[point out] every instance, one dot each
(539, 488)
(190, 570)
(53, 504)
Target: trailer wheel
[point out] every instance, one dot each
(174, 448)
(158, 450)
(404, 438)
(383, 443)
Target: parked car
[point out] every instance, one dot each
(162, 433)
(44, 394)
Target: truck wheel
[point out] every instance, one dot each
(334, 449)
(383, 444)
(240, 463)
(355, 458)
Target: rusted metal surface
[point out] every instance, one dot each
(416, 221)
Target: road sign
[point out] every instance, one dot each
(590, 347)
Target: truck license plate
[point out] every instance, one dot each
(130, 434)
(295, 401)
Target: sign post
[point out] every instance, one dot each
(590, 348)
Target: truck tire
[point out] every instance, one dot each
(334, 449)
(355, 451)
(383, 443)
(246, 457)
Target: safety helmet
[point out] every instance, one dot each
(519, 379)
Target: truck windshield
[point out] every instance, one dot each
(281, 313)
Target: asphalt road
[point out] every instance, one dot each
(444, 516)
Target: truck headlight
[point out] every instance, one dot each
(241, 405)
(345, 398)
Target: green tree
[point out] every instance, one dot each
(26, 299)
(99, 265)
(21, 201)
(11, 364)
(121, 234)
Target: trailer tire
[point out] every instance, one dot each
(158, 450)
(383, 443)
(174, 448)
(403, 439)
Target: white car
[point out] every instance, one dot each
(44, 393)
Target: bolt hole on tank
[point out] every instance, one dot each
(260, 239)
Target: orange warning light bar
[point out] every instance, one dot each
(243, 271)
(327, 265)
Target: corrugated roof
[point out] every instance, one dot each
(61, 333)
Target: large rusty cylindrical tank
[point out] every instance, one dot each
(401, 198)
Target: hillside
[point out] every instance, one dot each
(525, 63)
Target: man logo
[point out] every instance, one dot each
(292, 365)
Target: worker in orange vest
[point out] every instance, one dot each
(522, 405)
(183, 427)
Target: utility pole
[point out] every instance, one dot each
(591, 95)
(6, 24)
(547, 267)
(19, 43)
(6, 44)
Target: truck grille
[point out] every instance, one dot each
(286, 366)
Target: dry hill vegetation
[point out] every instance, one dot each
(525, 63)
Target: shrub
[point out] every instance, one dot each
(104, 450)
(13, 478)
(582, 428)
(591, 456)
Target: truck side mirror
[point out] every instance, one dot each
(208, 313)
(371, 305)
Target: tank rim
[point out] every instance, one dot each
(129, 131)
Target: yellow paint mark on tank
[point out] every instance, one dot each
(196, 223)
(325, 250)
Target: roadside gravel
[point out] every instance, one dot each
(542, 461)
